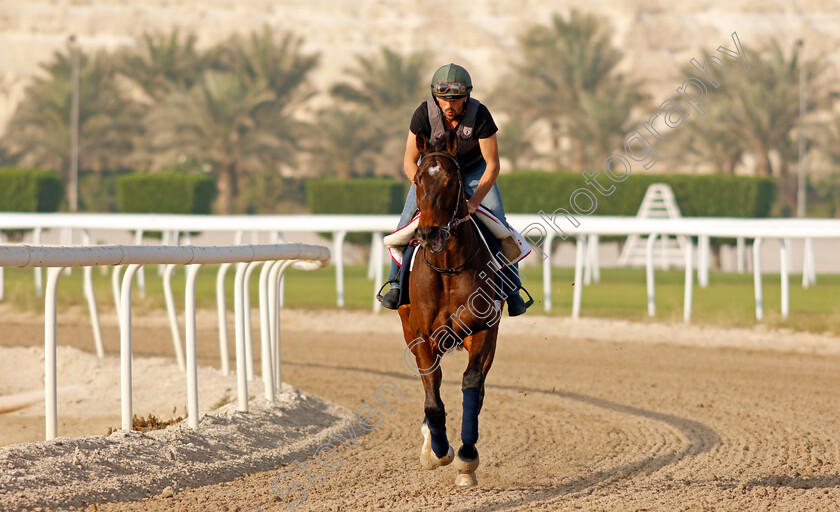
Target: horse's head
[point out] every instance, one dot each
(440, 191)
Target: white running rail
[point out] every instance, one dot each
(172, 224)
(274, 258)
(587, 232)
(703, 228)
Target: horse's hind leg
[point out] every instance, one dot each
(482, 348)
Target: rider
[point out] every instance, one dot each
(451, 108)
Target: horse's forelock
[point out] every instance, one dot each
(438, 162)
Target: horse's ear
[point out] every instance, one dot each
(422, 143)
(451, 142)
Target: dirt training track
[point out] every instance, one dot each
(569, 422)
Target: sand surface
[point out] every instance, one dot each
(589, 414)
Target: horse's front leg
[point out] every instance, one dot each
(482, 348)
(436, 450)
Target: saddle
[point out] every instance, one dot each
(505, 244)
(512, 245)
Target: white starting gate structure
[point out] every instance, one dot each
(659, 203)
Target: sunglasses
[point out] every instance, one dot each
(446, 88)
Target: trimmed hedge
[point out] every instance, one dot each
(824, 197)
(166, 192)
(29, 190)
(697, 195)
(359, 195)
(531, 191)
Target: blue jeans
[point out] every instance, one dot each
(492, 201)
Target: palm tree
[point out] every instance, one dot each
(237, 117)
(757, 113)
(341, 147)
(765, 104)
(389, 87)
(711, 139)
(387, 81)
(515, 141)
(824, 193)
(217, 122)
(604, 119)
(566, 77)
(39, 133)
(162, 63)
(827, 140)
(282, 66)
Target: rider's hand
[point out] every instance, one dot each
(471, 207)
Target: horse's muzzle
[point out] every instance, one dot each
(431, 237)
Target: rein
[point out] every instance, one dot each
(448, 271)
(453, 223)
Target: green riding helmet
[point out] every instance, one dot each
(451, 82)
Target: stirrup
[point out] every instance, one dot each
(530, 301)
(517, 306)
(389, 281)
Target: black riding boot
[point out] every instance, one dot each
(517, 306)
(510, 281)
(390, 300)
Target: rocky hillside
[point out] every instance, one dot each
(657, 35)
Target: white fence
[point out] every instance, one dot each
(275, 259)
(237, 225)
(590, 228)
(586, 231)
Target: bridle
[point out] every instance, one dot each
(454, 222)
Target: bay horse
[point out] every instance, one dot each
(451, 304)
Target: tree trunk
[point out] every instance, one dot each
(227, 189)
(762, 163)
(579, 156)
(344, 169)
(787, 186)
(556, 131)
(717, 162)
(729, 165)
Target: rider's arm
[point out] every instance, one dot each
(490, 151)
(412, 155)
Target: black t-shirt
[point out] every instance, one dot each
(469, 153)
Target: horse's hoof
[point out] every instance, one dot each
(428, 458)
(466, 479)
(466, 466)
(432, 461)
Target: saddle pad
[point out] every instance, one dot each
(405, 275)
(513, 245)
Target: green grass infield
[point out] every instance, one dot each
(621, 294)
